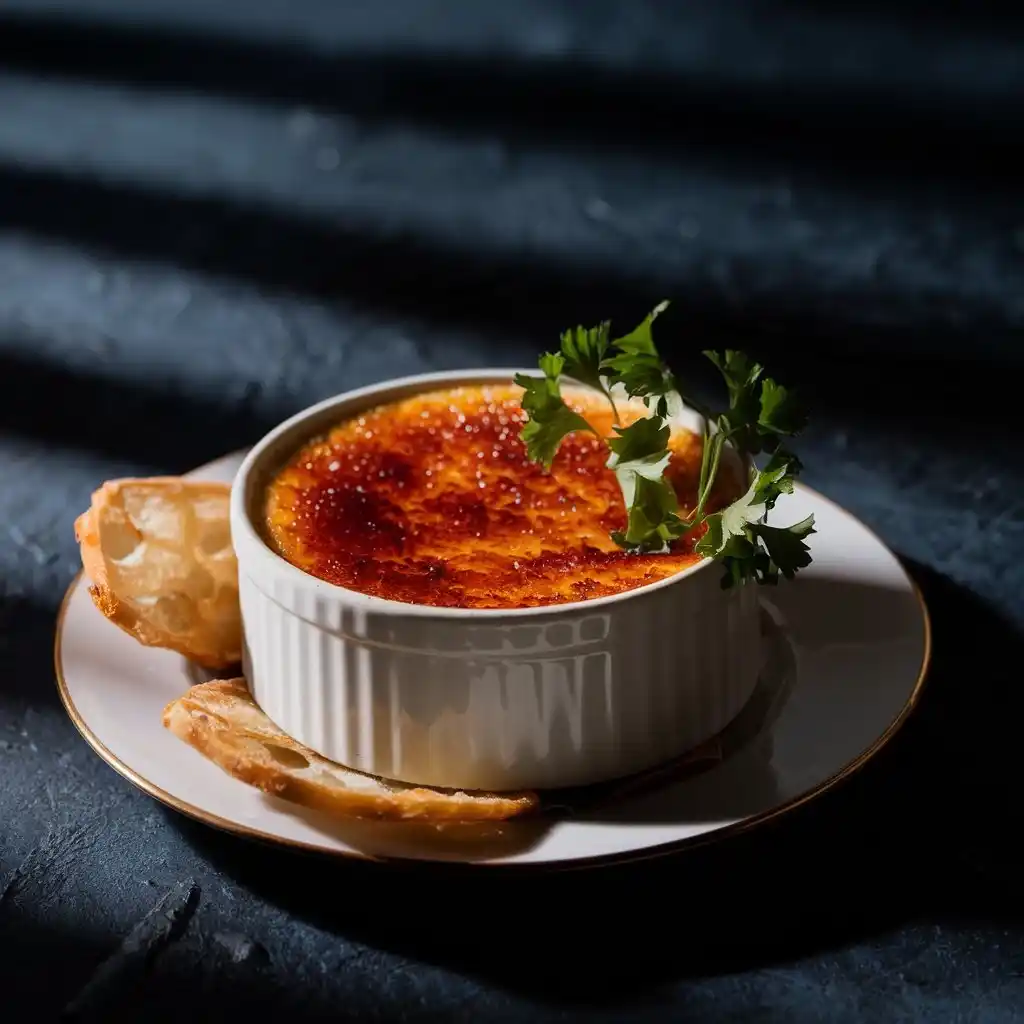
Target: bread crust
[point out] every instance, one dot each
(221, 720)
(158, 555)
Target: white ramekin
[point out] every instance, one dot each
(483, 699)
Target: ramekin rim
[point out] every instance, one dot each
(245, 530)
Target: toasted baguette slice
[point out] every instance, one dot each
(222, 721)
(158, 552)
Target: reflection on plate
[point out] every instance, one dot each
(846, 651)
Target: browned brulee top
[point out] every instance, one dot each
(433, 501)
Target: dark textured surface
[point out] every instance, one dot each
(212, 214)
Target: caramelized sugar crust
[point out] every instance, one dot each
(433, 501)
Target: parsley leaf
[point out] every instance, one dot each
(643, 439)
(760, 411)
(785, 545)
(723, 527)
(639, 458)
(741, 375)
(740, 538)
(780, 413)
(777, 477)
(653, 516)
(550, 419)
(637, 367)
(584, 350)
(760, 414)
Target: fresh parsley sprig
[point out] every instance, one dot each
(760, 414)
(550, 419)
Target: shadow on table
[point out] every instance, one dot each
(926, 832)
(29, 699)
(43, 968)
(183, 428)
(959, 762)
(850, 128)
(55, 973)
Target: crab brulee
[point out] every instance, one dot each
(433, 501)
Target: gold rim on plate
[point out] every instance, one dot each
(597, 861)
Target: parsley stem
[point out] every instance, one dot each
(714, 444)
(611, 402)
(705, 457)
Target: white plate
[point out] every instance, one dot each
(848, 645)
